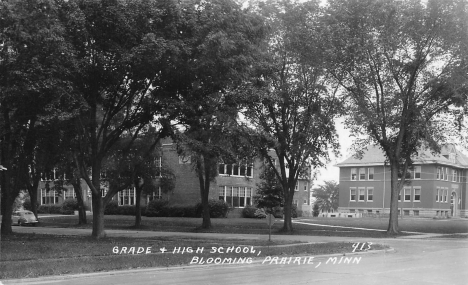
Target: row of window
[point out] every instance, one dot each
(360, 194)
(407, 194)
(415, 173)
(297, 187)
(296, 202)
(236, 197)
(362, 174)
(236, 169)
(442, 195)
(443, 174)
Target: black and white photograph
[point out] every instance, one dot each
(228, 142)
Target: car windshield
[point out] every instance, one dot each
(28, 213)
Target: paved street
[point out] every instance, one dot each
(413, 261)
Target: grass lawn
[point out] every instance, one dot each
(33, 255)
(423, 225)
(259, 226)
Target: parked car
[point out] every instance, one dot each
(24, 218)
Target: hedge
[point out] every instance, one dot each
(113, 208)
(50, 209)
(218, 209)
(161, 208)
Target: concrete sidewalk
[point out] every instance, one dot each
(156, 234)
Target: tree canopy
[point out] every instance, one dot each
(400, 66)
(291, 105)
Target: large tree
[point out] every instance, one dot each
(326, 196)
(400, 64)
(120, 48)
(291, 108)
(34, 85)
(219, 42)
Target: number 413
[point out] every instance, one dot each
(363, 244)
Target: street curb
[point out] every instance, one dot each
(257, 260)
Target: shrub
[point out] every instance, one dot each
(218, 209)
(260, 214)
(69, 206)
(49, 209)
(126, 210)
(249, 212)
(112, 208)
(157, 208)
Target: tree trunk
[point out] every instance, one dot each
(138, 207)
(287, 211)
(79, 198)
(98, 217)
(33, 197)
(395, 189)
(203, 178)
(7, 209)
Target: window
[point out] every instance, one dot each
(69, 193)
(295, 202)
(127, 197)
(406, 212)
(417, 194)
(362, 174)
(49, 197)
(305, 201)
(241, 169)
(296, 188)
(222, 193)
(155, 195)
(440, 193)
(415, 212)
(353, 174)
(352, 194)
(241, 197)
(417, 172)
(446, 174)
(369, 211)
(158, 166)
(237, 197)
(361, 194)
(185, 159)
(399, 196)
(48, 175)
(370, 173)
(222, 168)
(305, 186)
(370, 194)
(454, 175)
(445, 195)
(248, 196)
(452, 157)
(438, 173)
(442, 172)
(407, 194)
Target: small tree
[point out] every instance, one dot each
(269, 191)
(326, 196)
